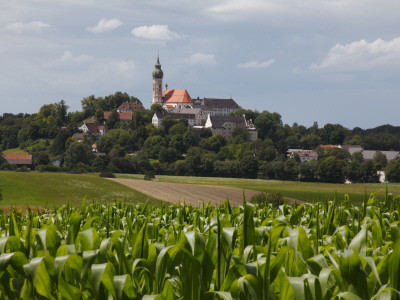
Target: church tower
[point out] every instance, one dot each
(157, 83)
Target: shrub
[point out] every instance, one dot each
(48, 168)
(149, 175)
(107, 174)
(22, 169)
(275, 199)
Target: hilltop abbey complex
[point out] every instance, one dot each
(210, 113)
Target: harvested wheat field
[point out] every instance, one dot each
(188, 193)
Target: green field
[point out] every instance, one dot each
(55, 189)
(15, 151)
(307, 191)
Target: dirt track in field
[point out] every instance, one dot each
(188, 193)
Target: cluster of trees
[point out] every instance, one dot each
(176, 149)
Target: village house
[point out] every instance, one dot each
(224, 126)
(130, 107)
(304, 155)
(95, 129)
(124, 117)
(19, 160)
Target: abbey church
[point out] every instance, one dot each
(213, 113)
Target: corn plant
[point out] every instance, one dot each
(331, 250)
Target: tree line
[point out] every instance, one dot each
(176, 149)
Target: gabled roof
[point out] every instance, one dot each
(123, 116)
(177, 96)
(95, 128)
(19, 159)
(131, 106)
(390, 155)
(219, 121)
(220, 103)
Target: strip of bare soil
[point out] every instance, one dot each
(189, 193)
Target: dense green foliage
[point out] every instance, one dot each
(176, 149)
(124, 251)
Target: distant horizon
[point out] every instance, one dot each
(319, 125)
(331, 62)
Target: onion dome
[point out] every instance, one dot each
(158, 73)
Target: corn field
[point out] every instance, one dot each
(326, 250)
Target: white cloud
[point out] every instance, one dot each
(156, 32)
(256, 65)
(69, 57)
(360, 56)
(105, 25)
(19, 27)
(202, 59)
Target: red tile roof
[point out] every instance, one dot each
(19, 159)
(123, 116)
(177, 96)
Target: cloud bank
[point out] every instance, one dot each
(33, 27)
(360, 56)
(155, 32)
(105, 25)
(256, 65)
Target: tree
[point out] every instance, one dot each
(155, 107)
(369, 172)
(40, 158)
(61, 112)
(269, 125)
(310, 141)
(99, 115)
(167, 122)
(380, 160)
(78, 153)
(113, 119)
(89, 105)
(358, 156)
(291, 169)
(292, 142)
(392, 171)
(334, 134)
(248, 165)
(332, 169)
(308, 170)
(216, 142)
(153, 145)
(240, 135)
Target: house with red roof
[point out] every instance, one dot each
(125, 116)
(19, 159)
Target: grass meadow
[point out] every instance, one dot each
(55, 189)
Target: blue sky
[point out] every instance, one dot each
(334, 61)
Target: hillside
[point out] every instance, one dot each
(55, 189)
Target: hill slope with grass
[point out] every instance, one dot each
(55, 189)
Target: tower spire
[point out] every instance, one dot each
(157, 82)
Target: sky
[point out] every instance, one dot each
(335, 61)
